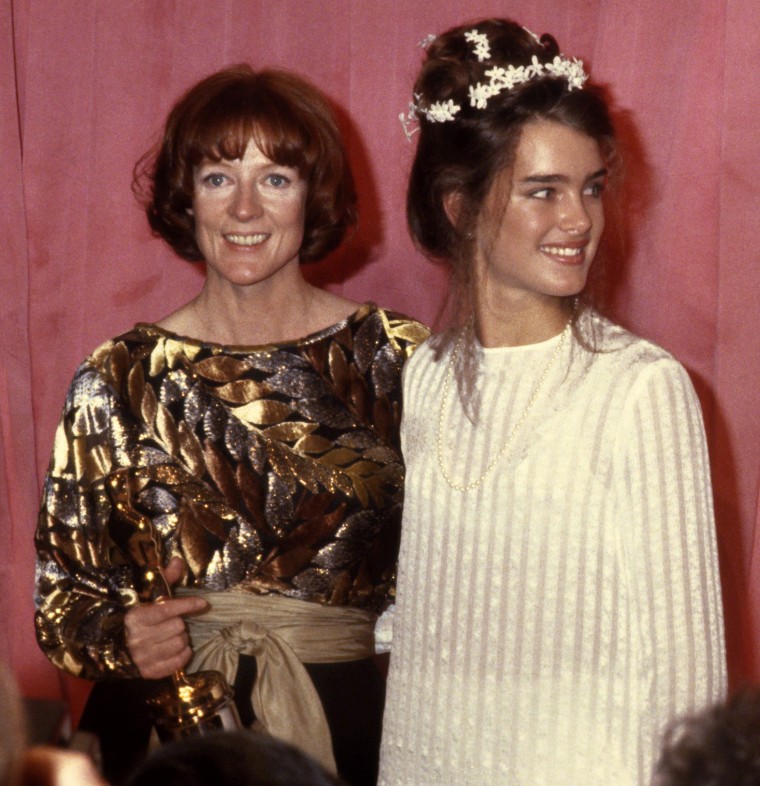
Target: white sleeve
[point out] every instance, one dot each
(666, 509)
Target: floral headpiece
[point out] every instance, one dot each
(499, 79)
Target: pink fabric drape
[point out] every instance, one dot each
(85, 85)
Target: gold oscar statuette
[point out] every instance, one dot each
(194, 704)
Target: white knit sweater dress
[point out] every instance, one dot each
(552, 620)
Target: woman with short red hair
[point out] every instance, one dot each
(254, 431)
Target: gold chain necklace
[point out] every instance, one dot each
(536, 392)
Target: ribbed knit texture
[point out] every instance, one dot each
(551, 621)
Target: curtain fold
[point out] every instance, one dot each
(19, 487)
(86, 84)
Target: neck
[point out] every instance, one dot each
(262, 313)
(235, 316)
(268, 312)
(520, 322)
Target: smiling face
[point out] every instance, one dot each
(542, 220)
(249, 217)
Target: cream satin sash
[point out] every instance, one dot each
(282, 634)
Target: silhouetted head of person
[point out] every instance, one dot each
(719, 746)
(242, 758)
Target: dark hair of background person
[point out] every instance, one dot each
(244, 758)
(719, 746)
(466, 155)
(292, 123)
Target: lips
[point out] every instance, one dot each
(246, 240)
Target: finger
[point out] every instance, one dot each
(150, 647)
(149, 651)
(156, 613)
(141, 631)
(174, 570)
(156, 670)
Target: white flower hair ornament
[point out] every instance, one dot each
(480, 42)
(500, 78)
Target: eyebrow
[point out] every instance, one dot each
(545, 179)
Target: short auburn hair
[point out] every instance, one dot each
(290, 121)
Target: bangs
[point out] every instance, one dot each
(226, 129)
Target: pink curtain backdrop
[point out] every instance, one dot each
(86, 84)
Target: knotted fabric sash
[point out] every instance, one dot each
(282, 634)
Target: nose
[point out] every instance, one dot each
(245, 203)
(575, 219)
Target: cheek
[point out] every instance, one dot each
(294, 216)
(204, 217)
(597, 216)
(527, 225)
(297, 217)
(205, 229)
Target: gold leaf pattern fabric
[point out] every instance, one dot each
(272, 469)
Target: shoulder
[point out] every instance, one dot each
(422, 374)
(639, 373)
(625, 353)
(110, 362)
(141, 336)
(91, 393)
(401, 332)
(424, 357)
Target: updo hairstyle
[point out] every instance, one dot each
(292, 124)
(466, 154)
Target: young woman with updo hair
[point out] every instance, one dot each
(558, 596)
(249, 438)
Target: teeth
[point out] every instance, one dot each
(246, 240)
(562, 252)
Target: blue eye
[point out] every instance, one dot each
(215, 179)
(277, 180)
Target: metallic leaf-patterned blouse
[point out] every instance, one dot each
(274, 469)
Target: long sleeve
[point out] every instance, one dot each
(83, 584)
(666, 515)
(91, 559)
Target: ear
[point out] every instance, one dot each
(452, 206)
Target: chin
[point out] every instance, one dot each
(570, 288)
